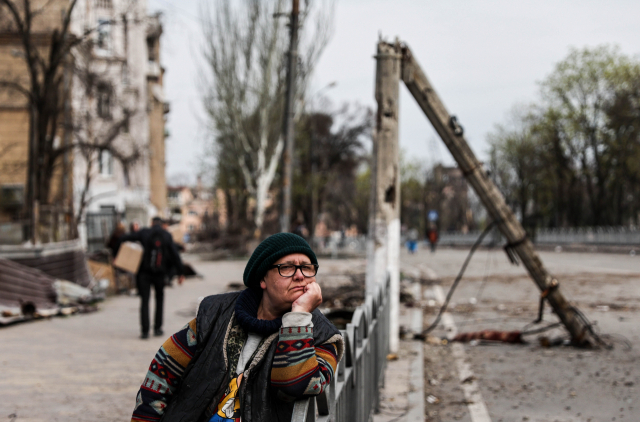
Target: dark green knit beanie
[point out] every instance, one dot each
(269, 251)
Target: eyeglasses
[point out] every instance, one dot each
(288, 270)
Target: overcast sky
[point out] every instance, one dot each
(482, 57)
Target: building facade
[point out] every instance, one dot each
(116, 117)
(192, 209)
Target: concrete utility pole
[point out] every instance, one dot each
(452, 135)
(288, 125)
(383, 249)
(314, 182)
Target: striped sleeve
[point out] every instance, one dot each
(164, 375)
(300, 368)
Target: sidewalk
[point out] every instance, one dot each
(89, 367)
(402, 398)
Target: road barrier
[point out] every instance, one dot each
(589, 235)
(353, 393)
(621, 236)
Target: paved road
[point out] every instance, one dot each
(528, 382)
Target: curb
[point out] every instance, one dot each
(416, 381)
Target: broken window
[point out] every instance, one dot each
(105, 163)
(125, 125)
(104, 101)
(11, 196)
(104, 4)
(151, 49)
(103, 36)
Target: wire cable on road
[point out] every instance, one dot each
(589, 326)
(487, 270)
(443, 308)
(476, 321)
(526, 332)
(618, 338)
(478, 297)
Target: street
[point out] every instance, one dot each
(89, 367)
(528, 382)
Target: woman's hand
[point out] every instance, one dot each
(310, 299)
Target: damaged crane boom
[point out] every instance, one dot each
(452, 135)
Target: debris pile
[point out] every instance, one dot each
(40, 283)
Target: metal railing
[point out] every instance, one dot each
(590, 235)
(100, 225)
(467, 239)
(54, 225)
(575, 235)
(353, 393)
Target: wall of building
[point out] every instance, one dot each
(14, 112)
(126, 61)
(158, 107)
(120, 57)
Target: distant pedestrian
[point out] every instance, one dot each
(412, 242)
(432, 236)
(301, 229)
(159, 258)
(134, 226)
(113, 244)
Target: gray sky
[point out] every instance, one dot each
(483, 57)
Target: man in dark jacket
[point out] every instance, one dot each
(160, 257)
(248, 354)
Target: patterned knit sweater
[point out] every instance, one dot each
(300, 368)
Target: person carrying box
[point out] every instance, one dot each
(160, 257)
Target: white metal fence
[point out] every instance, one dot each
(353, 393)
(467, 239)
(580, 235)
(590, 235)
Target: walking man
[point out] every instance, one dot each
(159, 258)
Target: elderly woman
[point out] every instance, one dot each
(247, 355)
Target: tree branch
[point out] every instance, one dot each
(17, 19)
(17, 87)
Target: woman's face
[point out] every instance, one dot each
(283, 291)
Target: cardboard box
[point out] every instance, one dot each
(176, 234)
(100, 270)
(129, 257)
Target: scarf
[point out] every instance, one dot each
(247, 314)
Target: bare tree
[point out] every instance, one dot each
(244, 77)
(330, 148)
(50, 50)
(43, 89)
(101, 116)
